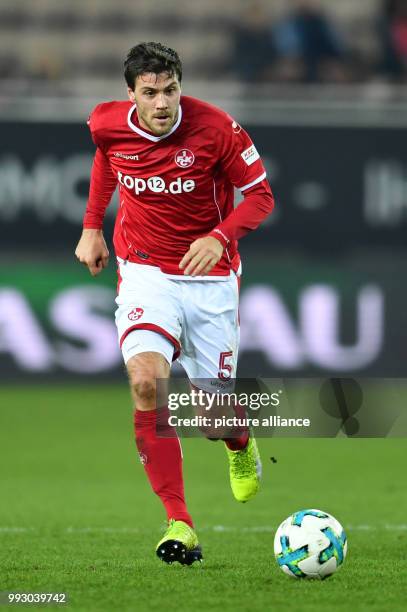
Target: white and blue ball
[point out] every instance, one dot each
(310, 544)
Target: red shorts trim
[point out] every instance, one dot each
(158, 330)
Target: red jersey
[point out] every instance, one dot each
(177, 187)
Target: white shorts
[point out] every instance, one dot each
(194, 321)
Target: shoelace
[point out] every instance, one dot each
(181, 528)
(241, 465)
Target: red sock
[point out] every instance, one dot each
(240, 439)
(240, 443)
(160, 452)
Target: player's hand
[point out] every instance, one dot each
(202, 256)
(92, 250)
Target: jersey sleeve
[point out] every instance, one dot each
(103, 182)
(257, 204)
(102, 185)
(95, 125)
(239, 159)
(242, 165)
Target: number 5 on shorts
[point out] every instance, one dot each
(225, 369)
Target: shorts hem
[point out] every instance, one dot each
(157, 329)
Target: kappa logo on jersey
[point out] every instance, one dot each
(184, 158)
(250, 155)
(135, 314)
(236, 127)
(156, 184)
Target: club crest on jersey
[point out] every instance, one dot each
(184, 158)
(135, 314)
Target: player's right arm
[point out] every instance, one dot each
(91, 249)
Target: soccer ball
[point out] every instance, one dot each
(310, 544)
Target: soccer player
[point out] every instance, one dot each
(176, 161)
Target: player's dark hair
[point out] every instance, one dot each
(151, 57)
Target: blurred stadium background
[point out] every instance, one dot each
(322, 88)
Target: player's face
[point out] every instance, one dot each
(157, 97)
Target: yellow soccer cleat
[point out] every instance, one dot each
(180, 543)
(245, 471)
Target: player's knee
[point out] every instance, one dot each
(144, 389)
(147, 371)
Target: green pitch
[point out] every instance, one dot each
(77, 516)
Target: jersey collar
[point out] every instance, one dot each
(151, 137)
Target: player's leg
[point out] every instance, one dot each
(157, 442)
(148, 325)
(209, 354)
(158, 445)
(245, 466)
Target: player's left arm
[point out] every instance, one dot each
(241, 163)
(244, 168)
(204, 253)
(257, 204)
